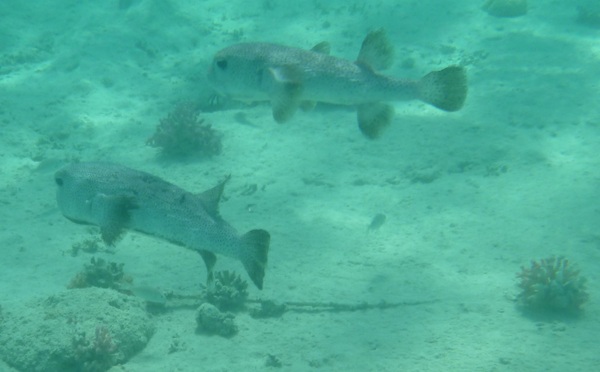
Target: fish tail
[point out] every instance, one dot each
(445, 89)
(255, 245)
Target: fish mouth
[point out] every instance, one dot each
(211, 78)
(210, 73)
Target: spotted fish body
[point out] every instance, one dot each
(324, 78)
(291, 78)
(117, 198)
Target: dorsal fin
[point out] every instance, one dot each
(323, 47)
(376, 51)
(211, 197)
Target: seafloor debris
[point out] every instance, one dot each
(273, 361)
(212, 321)
(552, 285)
(505, 8)
(268, 309)
(228, 292)
(183, 134)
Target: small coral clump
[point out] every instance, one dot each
(552, 285)
(182, 134)
(212, 321)
(102, 274)
(96, 355)
(88, 246)
(228, 292)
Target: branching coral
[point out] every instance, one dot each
(182, 134)
(552, 284)
(96, 355)
(228, 292)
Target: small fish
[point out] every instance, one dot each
(147, 293)
(292, 78)
(377, 222)
(117, 198)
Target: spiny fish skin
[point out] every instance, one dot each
(324, 78)
(116, 198)
(291, 78)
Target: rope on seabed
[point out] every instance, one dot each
(269, 308)
(335, 307)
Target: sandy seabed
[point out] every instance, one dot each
(470, 197)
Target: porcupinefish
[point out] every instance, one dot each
(292, 78)
(117, 198)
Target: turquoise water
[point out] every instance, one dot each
(469, 197)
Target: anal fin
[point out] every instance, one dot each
(210, 259)
(373, 118)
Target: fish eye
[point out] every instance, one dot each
(222, 64)
(59, 181)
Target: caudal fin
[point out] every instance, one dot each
(256, 248)
(445, 89)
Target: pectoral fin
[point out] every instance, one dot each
(112, 213)
(286, 92)
(373, 118)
